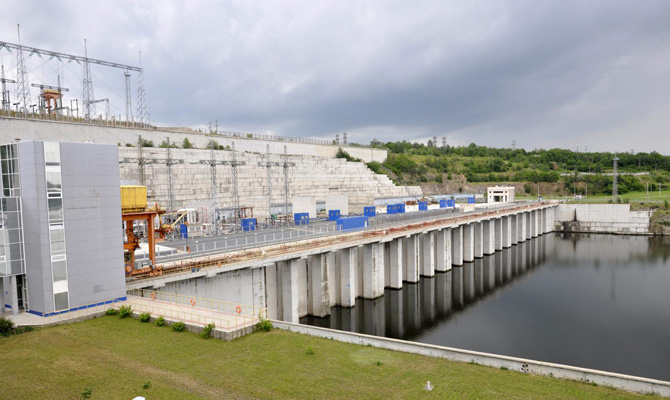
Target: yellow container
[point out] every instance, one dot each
(133, 198)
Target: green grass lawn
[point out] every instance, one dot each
(632, 197)
(115, 357)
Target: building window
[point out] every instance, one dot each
(54, 188)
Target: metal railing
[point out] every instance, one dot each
(192, 316)
(205, 258)
(224, 307)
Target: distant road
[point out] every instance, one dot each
(609, 173)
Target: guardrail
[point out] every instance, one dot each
(204, 257)
(234, 309)
(297, 233)
(193, 317)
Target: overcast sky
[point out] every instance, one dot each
(542, 73)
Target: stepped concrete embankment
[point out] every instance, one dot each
(602, 218)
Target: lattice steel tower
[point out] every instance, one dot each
(129, 106)
(87, 88)
(615, 179)
(142, 112)
(23, 89)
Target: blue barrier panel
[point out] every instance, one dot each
(471, 200)
(346, 223)
(443, 203)
(370, 211)
(423, 205)
(183, 231)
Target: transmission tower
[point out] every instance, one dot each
(213, 162)
(23, 89)
(87, 89)
(268, 165)
(129, 106)
(444, 141)
(140, 159)
(513, 144)
(142, 112)
(337, 139)
(6, 103)
(435, 142)
(344, 139)
(615, 188)
(286, 165)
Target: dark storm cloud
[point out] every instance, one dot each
(545, 74)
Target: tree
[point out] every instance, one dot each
(186, 144)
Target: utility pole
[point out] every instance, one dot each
(89, 107)
(615, 181)
(23, 89)
(6, 103)
(129, 106)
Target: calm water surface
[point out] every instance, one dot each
(595, 301)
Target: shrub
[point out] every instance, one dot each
(310, 351)
(28, 328)
(6, 326)
(125, 311)
(146, 385)
(186, 144)
(18, 331)
(146, 143)
(178, 326)
(160, 321)
(207, 331)
(666, 205)
(86, 393)
(145, 317)
(112, 311)
(263, 323)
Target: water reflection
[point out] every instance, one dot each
(416, 308)
(595, 301)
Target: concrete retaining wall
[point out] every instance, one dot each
(618, 381)
(601, 218)
(57, 131)
(316, 177)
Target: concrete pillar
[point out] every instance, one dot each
(489, 236)
(536, 223)
(479, 239)
(14, 295)
(551, 218)
(498, 234)
(443, 250)
(272, 291)
(347, 260)
(521, 234)
(387, 264)
(303, 290)
(468, 243)
(333, 282)
(541, 222)
(428, 254)
(317, 276)
(373, 270)
(507, 233)
(412, 258)
(514, 228)
(528, 225)
(457, 245)
(395, 263)
(289, 280)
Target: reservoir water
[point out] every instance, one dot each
(594, 301)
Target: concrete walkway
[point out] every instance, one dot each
(191, 314)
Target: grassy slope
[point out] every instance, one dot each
(115, 357)
(632, 197)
